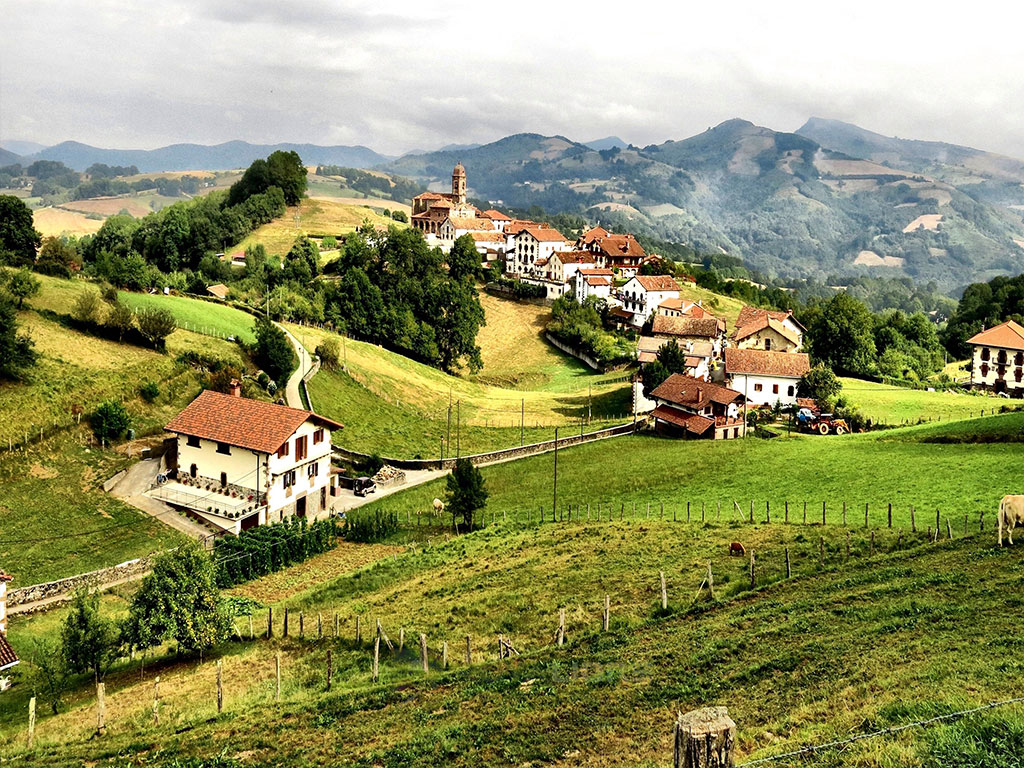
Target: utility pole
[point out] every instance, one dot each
(449, 420)
(458, 429)
(590, 402)
(522, 420)
(554, 499)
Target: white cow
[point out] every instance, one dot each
(1011, 514)
(439, 508)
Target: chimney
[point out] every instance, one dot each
(236, 388)
(4, 578)
(700, 395)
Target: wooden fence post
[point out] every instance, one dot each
(319, 626)
(376, 658)
(844, 514)
(607, 612)
(270, 622)
(704, 738)
(805, 513)
(31, 722)
(890, 514)
(156, 700)
(277, 674)
(359, 631)
(337, 625)
(937, 521)
(469, 652)
(751, 510)
(949, 529)
(768, 512)
(965, 524)
(101, 709)
(821, 551)
(664, 592)
(872, 543)
(423, 653)
(561, 627)
(753, 579)
(789, 565)
(703, 514)
(444, 654)
(718, 513)
(711, 582)
(252, 635)
(302, 626)
(284, 632)
(913, 523)
(401, 639)
(823, 513)
(220, 686)
(330, 669)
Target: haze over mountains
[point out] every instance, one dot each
(831, 198)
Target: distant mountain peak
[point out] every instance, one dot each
(608, 142)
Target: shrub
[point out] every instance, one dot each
(327, 350)
(156, 324)
(149, 391)
(366, 526)
(88, 308)
(268, 548)
(110, 421)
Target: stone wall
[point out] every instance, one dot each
(65, 587)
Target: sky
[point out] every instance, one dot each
(398, 76)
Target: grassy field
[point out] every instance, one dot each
(869, 642)
(886, 404)
(57, 221)
(906, 467)
(312, 217)
(208, 317)
(724, 307)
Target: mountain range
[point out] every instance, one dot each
(830, 198)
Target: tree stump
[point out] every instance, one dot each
(704, 738)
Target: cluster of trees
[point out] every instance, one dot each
(583, 326)
(373, 184)
(102, 313)
(17, 353)
(982, 306)
(56, 183)
(178, 602)
(268, 548)
(393, 290)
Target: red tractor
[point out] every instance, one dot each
(822, 423)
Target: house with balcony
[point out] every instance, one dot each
(242, 463)
(643, 294)
(998, 360)
(697, 409)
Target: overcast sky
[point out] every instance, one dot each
(399, 76)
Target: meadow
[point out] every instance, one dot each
(208, 317)
(886, 404)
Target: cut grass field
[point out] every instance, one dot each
(57, 221)
(209, 318)
(885, 404)
(312, 217)
(871, 642)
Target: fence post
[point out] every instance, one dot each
(805, 513)
(872, 542)
(913, 523)
(949, 529)
(789, 565)
(844, 514)
(444, 654)
(284, 632)
(337, 625)
(787, 513)
(156, 700)
(821, 551)
(937, 521)
(302, 626)
(711, 582)
(768, 512)
(359, 631)
(401, 639)
(252, 635)
(664, 592)
(751, 510)
(865, 514)
(607, 612)
(423, 653)
(31, 722)
(561, 627)
(376, 658)
(704, 738)
(101, 709)
(220, 686)
(752, 574)
(890, 514)
(319, 626)
(270, 622)
(469, 652)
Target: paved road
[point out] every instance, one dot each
(413, 477)
(291, 391)
(136, 482)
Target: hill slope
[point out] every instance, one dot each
(780, 200)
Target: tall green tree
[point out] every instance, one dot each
(110, 421)
(463, 259)
(16, 350)
(457, 320)
(179, 600)
(465, 493)
(842, 336)
(18, 237)
(23, 285)
(156, 324)
(90, 642)
(273, 352)
(671, 358)
(283, 170)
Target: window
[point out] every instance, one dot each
(300, 447)
(790, 391)
(984, 370)
(288, 479)
(193, 470)
(985, 354)
(1017, 374)
(1018, 359)
(1002, 357)
(767, 344)
(224, 448)
(775, 389)
(193, 441)
(313, 469)
(757, 387)
(283, 450)
(318, 436)
(223, 479)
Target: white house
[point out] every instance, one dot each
(242, 462)
(592, 282)
(998, 360)
(765, 377)
(642, 295)
(533, 244)
(693, 408)
(768, 330)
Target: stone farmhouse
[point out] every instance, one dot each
(242, 463)
(998, 360)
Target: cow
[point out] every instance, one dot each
(737, 549)
(1011, 514)
(438, 507)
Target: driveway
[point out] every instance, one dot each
(291, 392)
(132, 488)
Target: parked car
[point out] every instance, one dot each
(363, 485)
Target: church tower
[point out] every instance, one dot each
(459, 184)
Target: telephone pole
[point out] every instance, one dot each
(554, 497)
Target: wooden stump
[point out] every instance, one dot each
(704, 738)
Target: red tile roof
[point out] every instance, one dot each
(8, 658)
(790, 365)
(1008, 335)
(545, 234)
(494, 215)
(693, 393)
(621, 247)
(749, 314)
(242, 422)
(593, 234)
(595, 271)
(575, 257)
(764, 322)
(657, 282)
(472, 224)
(691, 422)
(488, 237)
(597, 280)
(706, 327)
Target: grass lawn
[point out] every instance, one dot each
(885, 404)
(871, 642)
(879, 468)
(724, 307)
(206, 316)
(312, 217)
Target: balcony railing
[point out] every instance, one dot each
(214, 488)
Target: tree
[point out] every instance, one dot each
(16, 351)
(179, 601)
(465, 492)
(819, 384)
(57, 256)
(842, 336)
(273, 352)
(88, 307)
(22, 285)
(50, 674)
(670, 359)
(89, 641)
(463, 259)
(18, 237)
(109, 421)
(327, 350)
(283, 170)
(156, 324)
(457, 320)
(400, 216)
(121, 318)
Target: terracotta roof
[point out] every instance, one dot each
(749, 314)
(494, 215)
(693, 393)
(1008, 335)
(544, 234)
(673, 302)
(657, 282)
(479, 225)
(597, 280)
(760, 324)
(518, 225)
(691, 362)
(696, 310)
(790, 365)
(595, 271)
(219, 290)
(486, 237)
(242, 422)
(691, 422)
(593, 234)
(8, 658)
(428, 196)
(623, 313)
(574, 257)
(706, 327)
(620, 247)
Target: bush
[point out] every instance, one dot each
(110, 421)
(327, 350)
(149, 391)
(88, 308)
(268, 548)
(365, 526)
(156, 324)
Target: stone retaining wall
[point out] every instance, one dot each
(65, 587)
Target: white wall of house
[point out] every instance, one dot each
(767, 338)
(240, 464)
(584, 290)
(761, 389)
(528, 249)
(985, 373)
(641, 302)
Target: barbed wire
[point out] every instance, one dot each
(812, 749)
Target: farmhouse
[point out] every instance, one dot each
(642, 295)
(998, 360)
(765, 378)
(242, 463)
(768, 330)
(589, 282)
(533, 244)
(692, 408)
(8, 658)
(698, 355)
(708, 329)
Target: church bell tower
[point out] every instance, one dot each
(459, 184)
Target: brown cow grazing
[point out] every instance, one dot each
(737, 549)
(1011, 514)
